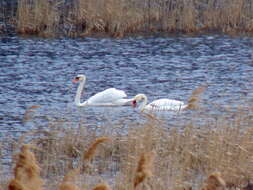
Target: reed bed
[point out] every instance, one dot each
(118, 18)
(209, 156)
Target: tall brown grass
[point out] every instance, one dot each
(68, 180)
(26, 171)
(214, 182)
(37, 17)
(28, 113)
(89, 154)
(195, 98)
(144, 168)
(187, 156)
(119, 18)
(101, 187)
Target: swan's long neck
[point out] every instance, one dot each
(144, 103)
(78, 94)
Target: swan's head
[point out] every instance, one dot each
(138, 98)
(79, 78)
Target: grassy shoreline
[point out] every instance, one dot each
(148, 156)
(79, 18)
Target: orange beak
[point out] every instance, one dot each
(75, 80)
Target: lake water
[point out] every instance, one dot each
(37, 71)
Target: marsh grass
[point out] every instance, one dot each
(214, 181)
(26, 171)
(37, 17)
(144, 168)
(90, 153)
(101, 187)
(118, 18)
(68, 180)
(150, 155)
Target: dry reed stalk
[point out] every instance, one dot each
(67, 182)
(101, 187)
(68, 186)
(144, 168)
(26, 163)
(26, 171)
(214, 182)
(37, 17)
(90, 153)
(195, 97)
(117, 18)
(70, 176)
(27, 114)
(188, 17)
(16, 185)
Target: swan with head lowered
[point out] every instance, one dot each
(165, 104)
(108, 97)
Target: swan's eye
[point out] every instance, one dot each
(134, 103)
(77, 78)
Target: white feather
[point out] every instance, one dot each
(109, 95)
(159, 105)
(165, 105)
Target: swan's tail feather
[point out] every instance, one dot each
(193, 101)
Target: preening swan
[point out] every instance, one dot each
(158, 105)
(168, 104)
(108, 97)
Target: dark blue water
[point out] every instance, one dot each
(39, 72)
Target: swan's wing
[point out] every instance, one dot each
(166, 105)
(109, 95)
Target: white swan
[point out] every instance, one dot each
(168, 104)
(108, 97)
(157, 105)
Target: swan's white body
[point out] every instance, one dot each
(108, 97)
(159, 105)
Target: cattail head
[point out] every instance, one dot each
(67, 182)
(26, 171)
(16, 185)
(144, 168)
(70, 176)
(195, 97)
(214, 182)
(101, 187)
(26, 164)
(68, 186)
(89, 154)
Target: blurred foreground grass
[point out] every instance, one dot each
(148, 156)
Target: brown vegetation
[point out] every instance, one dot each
(184, 155)
(101, 187)
(214, 182)
(26, 171)
(144, 168)
(28, 113)
(68, 180)
(195, 98)
(89, 154)
(118, 18)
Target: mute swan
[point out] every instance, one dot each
(168, 104)
(108, 97)
(158, 105)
